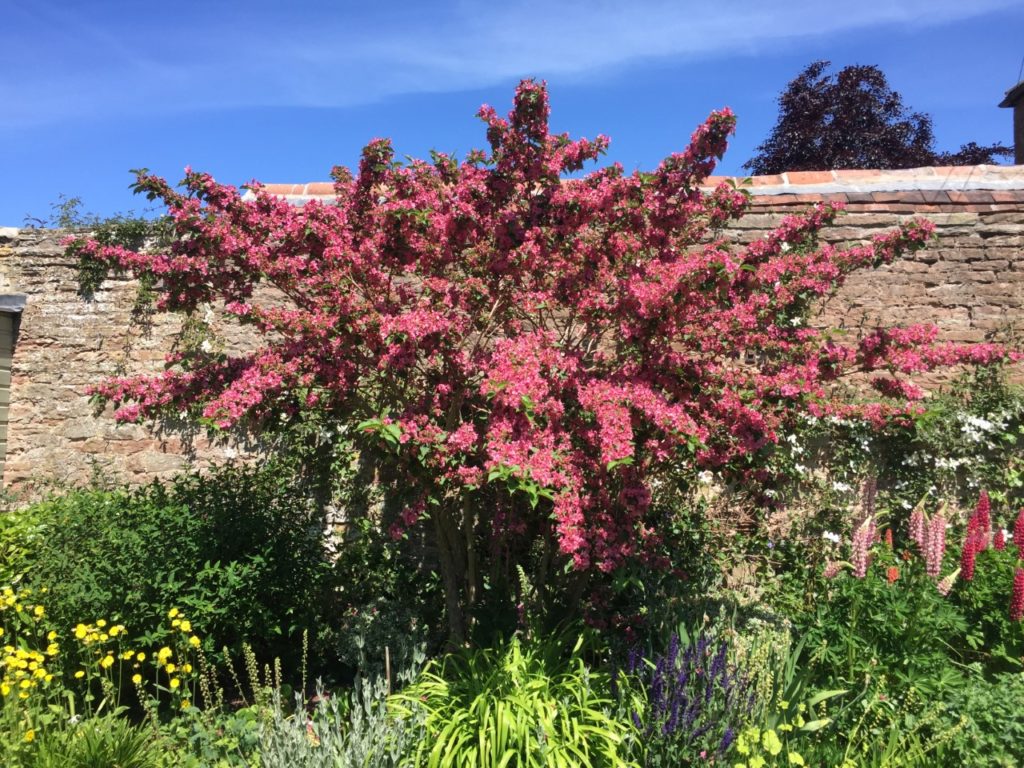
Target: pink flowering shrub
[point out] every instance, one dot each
(526, 351)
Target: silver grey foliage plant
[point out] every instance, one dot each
(363, 734)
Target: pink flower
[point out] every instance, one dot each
(969, 553)
(935, 546)
(1018, 534)
(832, 568)
(946, 584)
(1017, 596)
(981, 522)
(862, 540)
(917, 527)
(999, 540)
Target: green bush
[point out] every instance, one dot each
(985, 602)
(863, 629)
(240, 551)
(518, 705)
(993, 736)
(359, 733)
(108, 742)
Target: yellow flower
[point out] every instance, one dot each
(136, 679)
(796, 759)
(79, 674)
(170, 668)
(172, 613)
(186, 668)
(51, 635)
(185, 704)
(114, 631)
(107, 662)
(770, 741)
(164, 654)
(81, 631)
(176, 623)
(39, 611)
(1, 631)
(194, 641)
(101, 623)
(30, 734)
(140, 656)
(52, 649)
(186, 626)
(4, 689)
(175, 682)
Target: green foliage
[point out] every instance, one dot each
(360, 733)
(19, 534)
(862, 629)
(385, 598)
(240, 551)
(967, 439)
(125, 230)
(984, 601)
(514, 706)
(993, 733)
(107, 742)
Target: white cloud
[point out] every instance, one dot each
(69, 61)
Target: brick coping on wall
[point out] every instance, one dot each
(976, 188)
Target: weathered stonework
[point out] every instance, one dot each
(64, 344)
(970, 283)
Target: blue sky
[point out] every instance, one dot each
(281, 91)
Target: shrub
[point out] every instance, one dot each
(361, 733)
(515, 705)
(108, 742)
(993, 735)
(524, 354)
(240, 551)
(690, 703)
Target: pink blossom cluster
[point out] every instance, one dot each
(935, 543)
(1018, 534)
(518, 329)
(976, 538)
(917, 527)
(863, 537)
(1017, 596)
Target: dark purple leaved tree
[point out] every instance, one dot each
(853, 119)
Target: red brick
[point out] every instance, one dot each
(279, 189)
(809, 177)
(1008, 196)
(956, 170)
(858, 175)
(320, 188)
(768, 181)
(970, 196)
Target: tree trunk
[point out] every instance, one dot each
(453, 573)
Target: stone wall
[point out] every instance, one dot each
(970, 283)
(56, 437)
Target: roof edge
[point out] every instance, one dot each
(925, 179)
(1013, 96)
